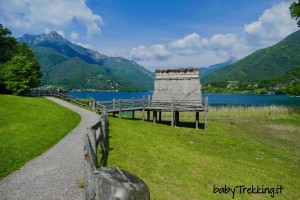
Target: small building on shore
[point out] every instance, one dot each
(178, 90)
(177, 84)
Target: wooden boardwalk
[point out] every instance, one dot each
(147, 106)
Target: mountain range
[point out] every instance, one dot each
(266, 63)
(207, 70)
(73, 67)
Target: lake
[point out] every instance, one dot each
(213, 99)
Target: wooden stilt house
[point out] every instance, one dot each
(178, 90)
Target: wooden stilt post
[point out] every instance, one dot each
(143, 112)
(132, 107)
(114, 107)
(120, 108)
(154, 116)
(94, 105)
(148, 115)
(197, 120)
(176, 118)
(132, 102)
(148, 112)
(206, 113)
(149, 101)
(159, 116)
(172, 112)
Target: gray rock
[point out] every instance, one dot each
(114, 183)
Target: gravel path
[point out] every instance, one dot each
(57, 173)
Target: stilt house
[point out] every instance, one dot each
(178, 90)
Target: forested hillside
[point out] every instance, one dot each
(65, 64)
(263, 64)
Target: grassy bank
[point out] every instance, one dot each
(28, 127)
(242, 146)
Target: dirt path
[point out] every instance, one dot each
(57, 173)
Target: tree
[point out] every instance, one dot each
(295, 11)
(21, 74)
(8, 45)
(19, 69)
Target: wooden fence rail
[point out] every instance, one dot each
(101, 182)
(95, 137)
(60, 96)
(148, 104)
(144, 105)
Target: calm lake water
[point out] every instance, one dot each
(213, 99)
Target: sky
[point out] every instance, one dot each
(157, 33)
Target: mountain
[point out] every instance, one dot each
(75, 67)
(207, 70)
(263, 64)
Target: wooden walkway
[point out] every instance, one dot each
(146, 105)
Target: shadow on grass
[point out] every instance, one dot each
(191, 125)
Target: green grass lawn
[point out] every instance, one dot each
(28, 127)
(242, 146)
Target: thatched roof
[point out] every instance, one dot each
(180, 70)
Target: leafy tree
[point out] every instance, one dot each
(21, 74)
(8, 45)
(295, 11)
(19, 69)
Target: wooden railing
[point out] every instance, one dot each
(95, 137)
(61, 96)
(124, 104)
(173, 106)
(96, 151)
(148, 104)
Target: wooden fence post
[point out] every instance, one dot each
(143, 112)
(132, 107)
(94, 104)
(206, 113)
(149, 101)
(90, 167)
(114, 107)
(114, 104)
(120, 108)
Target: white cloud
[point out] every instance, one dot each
(93, 30)
(61, 33)
(228, 45)
(154, 52)
(35, 15)
(88, 46)
(190, 44)
(74, 35)
(47, 30)
(273, 25)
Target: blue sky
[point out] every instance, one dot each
(157, 33)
